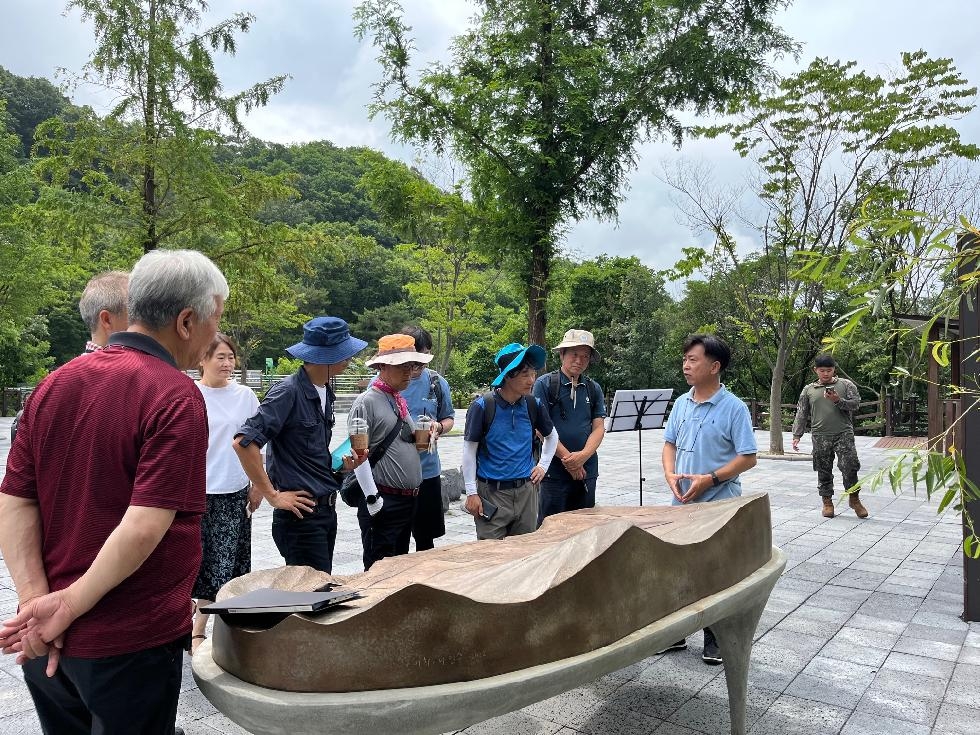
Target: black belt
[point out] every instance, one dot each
(410, 492)
(328, 499)
(505, 484)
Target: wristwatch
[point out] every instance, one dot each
(715, 480)
(371, 499)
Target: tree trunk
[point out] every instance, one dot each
(149, 137)
(776, 400)
(537, 301)
(450, 344)
(243, 356)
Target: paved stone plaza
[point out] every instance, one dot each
(861, 635)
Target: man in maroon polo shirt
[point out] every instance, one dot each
(100, 511)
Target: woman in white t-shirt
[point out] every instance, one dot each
(226, 528)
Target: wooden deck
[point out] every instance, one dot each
(902, 442)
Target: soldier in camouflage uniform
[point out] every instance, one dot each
(825, 407)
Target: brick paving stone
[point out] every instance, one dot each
(840, 694)
(912, 664)
(961, 692)
(863, 723)
(928, 648)
(607, 721)
(956, 720)
(969, 655)
(853, 635)
(793, 716)
(807, 645)
(884, 703)
(671, 728)
(853, 653)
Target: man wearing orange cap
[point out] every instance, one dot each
(390, 484)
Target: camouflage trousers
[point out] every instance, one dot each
(825, 446)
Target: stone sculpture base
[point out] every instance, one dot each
(732, 613)
(448, 637)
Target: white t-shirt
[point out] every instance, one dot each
(321, 390)
(228, 408)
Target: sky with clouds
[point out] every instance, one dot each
(332, 73)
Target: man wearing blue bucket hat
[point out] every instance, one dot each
(297, 417)
(499, 469)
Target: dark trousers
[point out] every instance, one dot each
(130, 693)
(387, 532)
(429, 523)
(558, 494)
(306, 541)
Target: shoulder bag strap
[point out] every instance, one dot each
(378, 453)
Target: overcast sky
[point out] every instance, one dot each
(332, 74)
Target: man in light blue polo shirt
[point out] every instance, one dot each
(708, 441)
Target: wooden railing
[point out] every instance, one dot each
(260, 381)
(867, 418)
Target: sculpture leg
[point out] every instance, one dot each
(734, 635)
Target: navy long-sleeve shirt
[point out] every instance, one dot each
(291, 420)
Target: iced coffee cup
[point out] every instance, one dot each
(357, 429)
(423, 430)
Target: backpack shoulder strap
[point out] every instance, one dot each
(489, 409)
(554, 388)
(532, 410)
(435, 389)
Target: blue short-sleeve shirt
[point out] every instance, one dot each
(709, 435)
(424, 397)
(505, 452)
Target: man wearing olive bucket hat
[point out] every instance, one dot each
(578, 410)
(499, 470)
(391, 485)
(297, 417)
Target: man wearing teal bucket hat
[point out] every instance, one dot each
(499, 469)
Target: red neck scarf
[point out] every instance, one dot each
(399, 401)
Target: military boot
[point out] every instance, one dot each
(857, 506)
(828, 507)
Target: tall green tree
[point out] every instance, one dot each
(546, 101)
(826, 141)
(27, 268)
(158, 61)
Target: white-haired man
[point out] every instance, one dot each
(100, 511)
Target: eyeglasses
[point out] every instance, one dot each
(690, 427)
(410, 367)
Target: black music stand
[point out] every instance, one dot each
(639, 410)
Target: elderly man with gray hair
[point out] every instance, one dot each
(100, 511)
(103, 307)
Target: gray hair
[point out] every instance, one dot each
(105, 291)
(165, 282)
